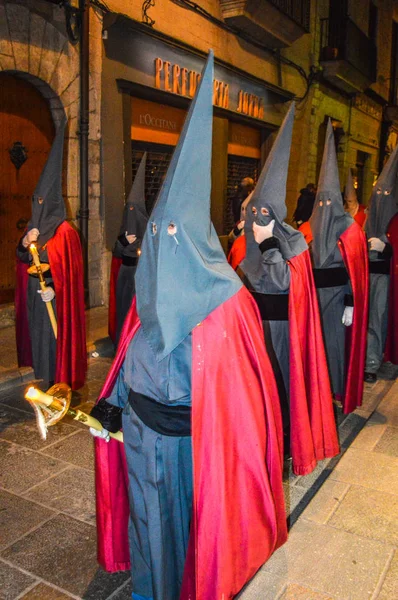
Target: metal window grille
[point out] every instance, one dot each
(158, 160)
(239, 167)
(298, 10)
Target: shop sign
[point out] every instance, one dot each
(180, 80)
(155, 123)
(155, 63)
(244, 141)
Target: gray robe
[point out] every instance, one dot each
(331, 301)
(276, 281)
(125, 288)
(378, 316)
(43, 342)
(159, 468)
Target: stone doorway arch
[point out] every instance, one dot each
(34, 45)
(28, 131)
(33, 48)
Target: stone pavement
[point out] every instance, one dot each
(11, 375)
(343, 545)
(343, 517)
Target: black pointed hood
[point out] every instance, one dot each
(135, 216)
(183, 274)
(48, 208)
(268, 201)
(384, 199)
(329, 219)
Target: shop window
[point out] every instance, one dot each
(239, 167)
(158, 159)
(243, 161)
(155, 129)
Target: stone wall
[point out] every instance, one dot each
(34, 45)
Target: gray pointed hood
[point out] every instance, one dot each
(135, 216)
(329, 219)
(268, 201)
(350, 195)
(48, 208)
(384, 198)
(182, 274)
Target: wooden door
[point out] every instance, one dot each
(26, 135)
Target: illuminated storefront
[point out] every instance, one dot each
(151, 79)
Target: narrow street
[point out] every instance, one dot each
(343, 517)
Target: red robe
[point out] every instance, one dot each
(24, 348)
(354, 250)
(312, 425)
(112, 314)
(65, 258)
(391, 353)
(305, 229)
(360, 216)
(237, 252)
(238, 509)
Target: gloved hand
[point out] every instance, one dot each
(130, 238)
(47, 295)
(108, 415)
(376, 244)
(263, 232)
(30, 237)
(103, 434)
(348, 316)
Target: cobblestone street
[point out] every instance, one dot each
(348, 505)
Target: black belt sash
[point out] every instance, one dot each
(379, 267)
(130, 261)
(162, 418)
(333, 277)
(272, 307)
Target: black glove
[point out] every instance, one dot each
(108, 415)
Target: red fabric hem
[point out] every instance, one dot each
(353, 247)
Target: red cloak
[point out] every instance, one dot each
(391, 353)
(353, 247)
(237, 252)
(360, 216)
(65, 258)
(238, 509)
(305, 229)
(313, 429)
(112, 315)
(312, 424)
(24, 348)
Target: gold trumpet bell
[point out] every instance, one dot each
(33, 270)
(48, 415)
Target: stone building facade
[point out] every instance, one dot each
(142, 56)
(356, 103)
(34, 45)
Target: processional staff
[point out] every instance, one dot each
(51, 406)
(39, 271)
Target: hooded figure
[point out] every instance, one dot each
(340, 269)
(278, 269)
(351, 203)
(305, 204)
(126, 254)
(383, 245)
(62, 359)
(201, 419)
